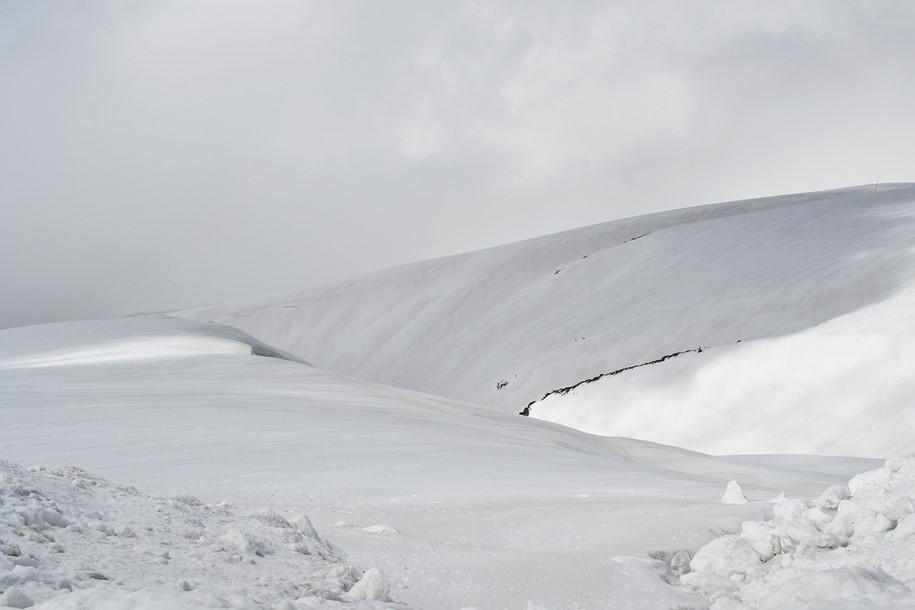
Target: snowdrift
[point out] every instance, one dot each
(772, 325)
(70, 540)
(112, 341)
(851, 547)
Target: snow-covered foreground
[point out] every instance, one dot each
(772, 325)
(457, 505)
(69, 540)
(851, 547)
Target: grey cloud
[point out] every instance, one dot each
(159, 154)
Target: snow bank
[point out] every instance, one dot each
(138, 338)
(851, 547)
(69, 540)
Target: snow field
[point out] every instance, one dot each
(458, 505)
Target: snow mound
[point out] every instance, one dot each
(69, 540)
(851, 547)
(380, 529)
(139, 338)
(733, 494)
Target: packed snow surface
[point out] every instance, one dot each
(852, 547)
(784, 324)
(455, 505)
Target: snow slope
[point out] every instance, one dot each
(459, 506)
(803, 307)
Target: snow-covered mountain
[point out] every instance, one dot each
(458, 505)
(784, 324)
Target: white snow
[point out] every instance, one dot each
(72, 540)
(783, 324)
(104, 342)
(490, 510)
(851, 547)
(803, 305)
(379, 529)
(733, 494)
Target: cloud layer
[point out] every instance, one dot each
(165, 153)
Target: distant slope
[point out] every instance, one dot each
(802, 305)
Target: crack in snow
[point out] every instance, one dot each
(562, 391)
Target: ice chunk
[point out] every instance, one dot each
(15, 598)
(373, 586)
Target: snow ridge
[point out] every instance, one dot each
(70, 540)
(818, 286)
(145, 338)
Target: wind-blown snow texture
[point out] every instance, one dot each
(804, 306)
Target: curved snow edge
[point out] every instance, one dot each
(124, 340)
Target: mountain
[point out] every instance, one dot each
(784, 324)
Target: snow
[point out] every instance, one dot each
(850, 547)
(484, 508)
(733, 494)
(379, 529)
(69, 539)
(776, 325)
(102, 342)
(793, 318)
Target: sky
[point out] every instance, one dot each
(159, 154)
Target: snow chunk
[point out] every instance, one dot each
(733, 494)
(69, 540)
(380, 529)
(373, 586)
(726, 555)
(246, 543)
(850, 547)
(15, 598)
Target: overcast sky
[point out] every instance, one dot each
(167, 153)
